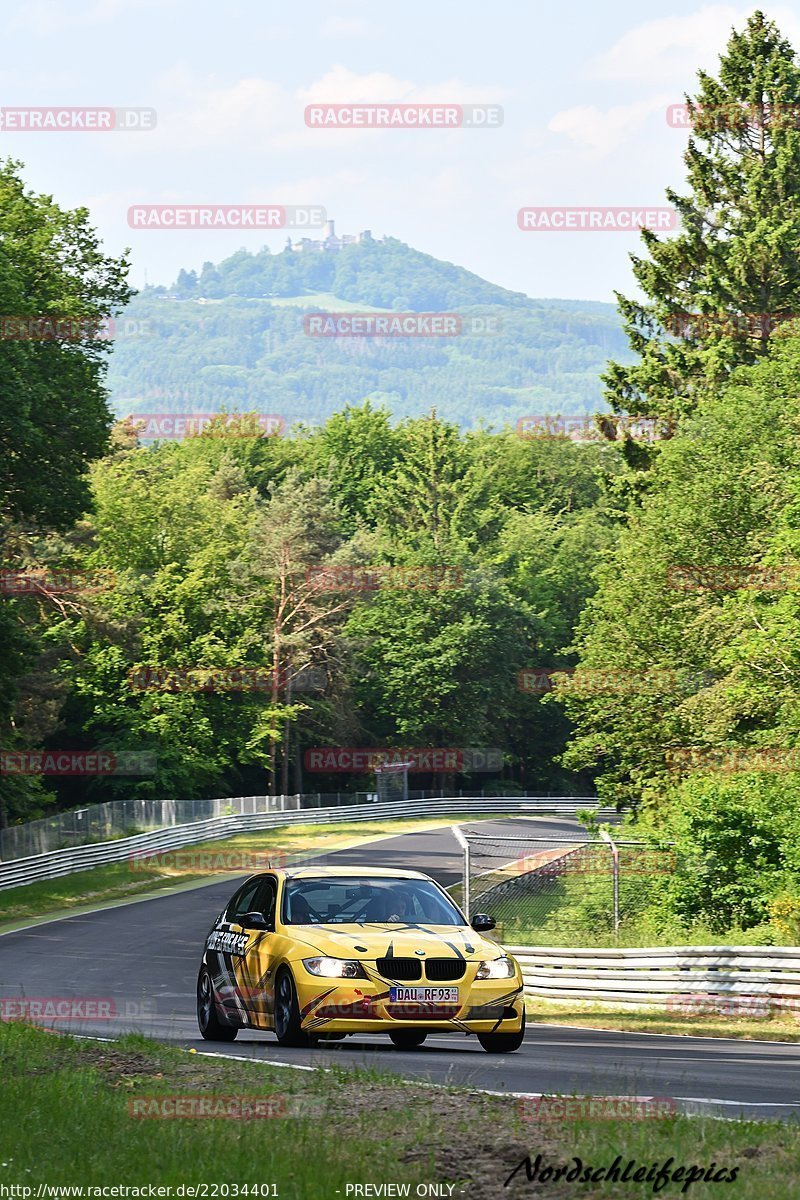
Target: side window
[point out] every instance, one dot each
(243, 900)
(265, 897)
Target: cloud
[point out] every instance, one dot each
(342, 86)
(671, 49)
(603, 132)
(262, 115)
(251, 111)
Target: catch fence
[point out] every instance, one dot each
(560, 889)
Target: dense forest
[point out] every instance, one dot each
(210, 554)
(620, 614)
(235, 338)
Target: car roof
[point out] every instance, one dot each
(312, 872)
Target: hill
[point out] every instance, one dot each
(233, 337)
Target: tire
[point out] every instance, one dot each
(287, 1012)
(408, 1039)
(208, 1022)
(503, 1043)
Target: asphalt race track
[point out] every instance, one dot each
(145, 955)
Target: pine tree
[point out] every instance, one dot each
(736, 260)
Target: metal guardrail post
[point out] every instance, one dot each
(464, 844)
(615, 858)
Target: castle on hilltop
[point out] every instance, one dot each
(330, 242)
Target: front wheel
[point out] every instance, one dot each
(209, 1023)
(503, 1043)
(408, 1039)
(287, 1012)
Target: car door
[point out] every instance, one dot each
(226, 950)
(258, 966)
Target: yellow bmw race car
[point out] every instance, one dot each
(316, 954)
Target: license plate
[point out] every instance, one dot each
(423, 995)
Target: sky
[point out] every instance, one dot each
(584, 90)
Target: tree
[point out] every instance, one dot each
(437, 493)
(738, 253)
(186, 283)
(54, 418)
(57, 290)
(292, 616)
(356, 448)
(717, 495)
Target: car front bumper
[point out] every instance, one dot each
(365, 1006)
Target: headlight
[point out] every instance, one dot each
(496, 968)
(334, 968)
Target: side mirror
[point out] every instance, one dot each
(482, 922)
(257, 920)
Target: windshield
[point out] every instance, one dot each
(367, 901)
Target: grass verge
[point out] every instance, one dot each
(66, 1119)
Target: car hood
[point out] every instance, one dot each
(375, 940)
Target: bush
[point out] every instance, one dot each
(738, 853)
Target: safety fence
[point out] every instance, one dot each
(123, 818)
(687, 980)
(56, 863)
(563, 888)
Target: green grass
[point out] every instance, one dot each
(101, 885)
(765, 1155)
(65, 1119)
(776, 1027)
(119, 881)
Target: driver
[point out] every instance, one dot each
(301, 913)
(399, 907)
(389, 906)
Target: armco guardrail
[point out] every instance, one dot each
(125, 817)
(738, 979)
(81, 858)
